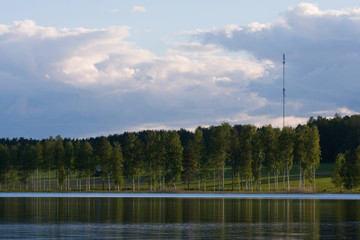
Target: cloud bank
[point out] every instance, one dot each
(322, 52)
(84, 82)
(77, 82)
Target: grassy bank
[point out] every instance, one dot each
(323, 183)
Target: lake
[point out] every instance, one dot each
(179, 216)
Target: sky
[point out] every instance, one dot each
(89, 68)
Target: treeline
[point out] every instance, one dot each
(337, 135)
(161, 158)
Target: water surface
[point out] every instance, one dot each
(98, 216)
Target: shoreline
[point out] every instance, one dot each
(291, 196)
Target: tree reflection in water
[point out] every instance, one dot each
(191, 217)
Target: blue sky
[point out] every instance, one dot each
(90, 68)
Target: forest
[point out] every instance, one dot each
(161, 159)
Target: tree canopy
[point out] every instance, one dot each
(161, 157)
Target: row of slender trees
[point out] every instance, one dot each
(161, 157)
(248, 151)
(27, 164)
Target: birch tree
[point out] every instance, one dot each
(117, 165)
(286, 151)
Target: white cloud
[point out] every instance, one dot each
(138, 9)
(28, 28)
(322, 56)
(257, 27)
(98, 74)
(229, 29)
(262, 120)
(342, 111)
(78, 81)
(310, 9)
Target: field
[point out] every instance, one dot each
(323, 183)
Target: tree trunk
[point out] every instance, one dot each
(69, 181)
(160, 183)
(284, 179)
(133, 184)
(37, 179)
(214, 180)
(49, 179)
(223, 177)
(299, 175)
(260, 182)
(109, 185)
(150, 183)
(241, 183)
(314, 178)
(218, 183)
(303, 174)
(288, 177)
(232, 182)
(199, 183)
(268, 181)
(57, 179)
(275, 181)
(164, 187)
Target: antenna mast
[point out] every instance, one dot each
(283, 89)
